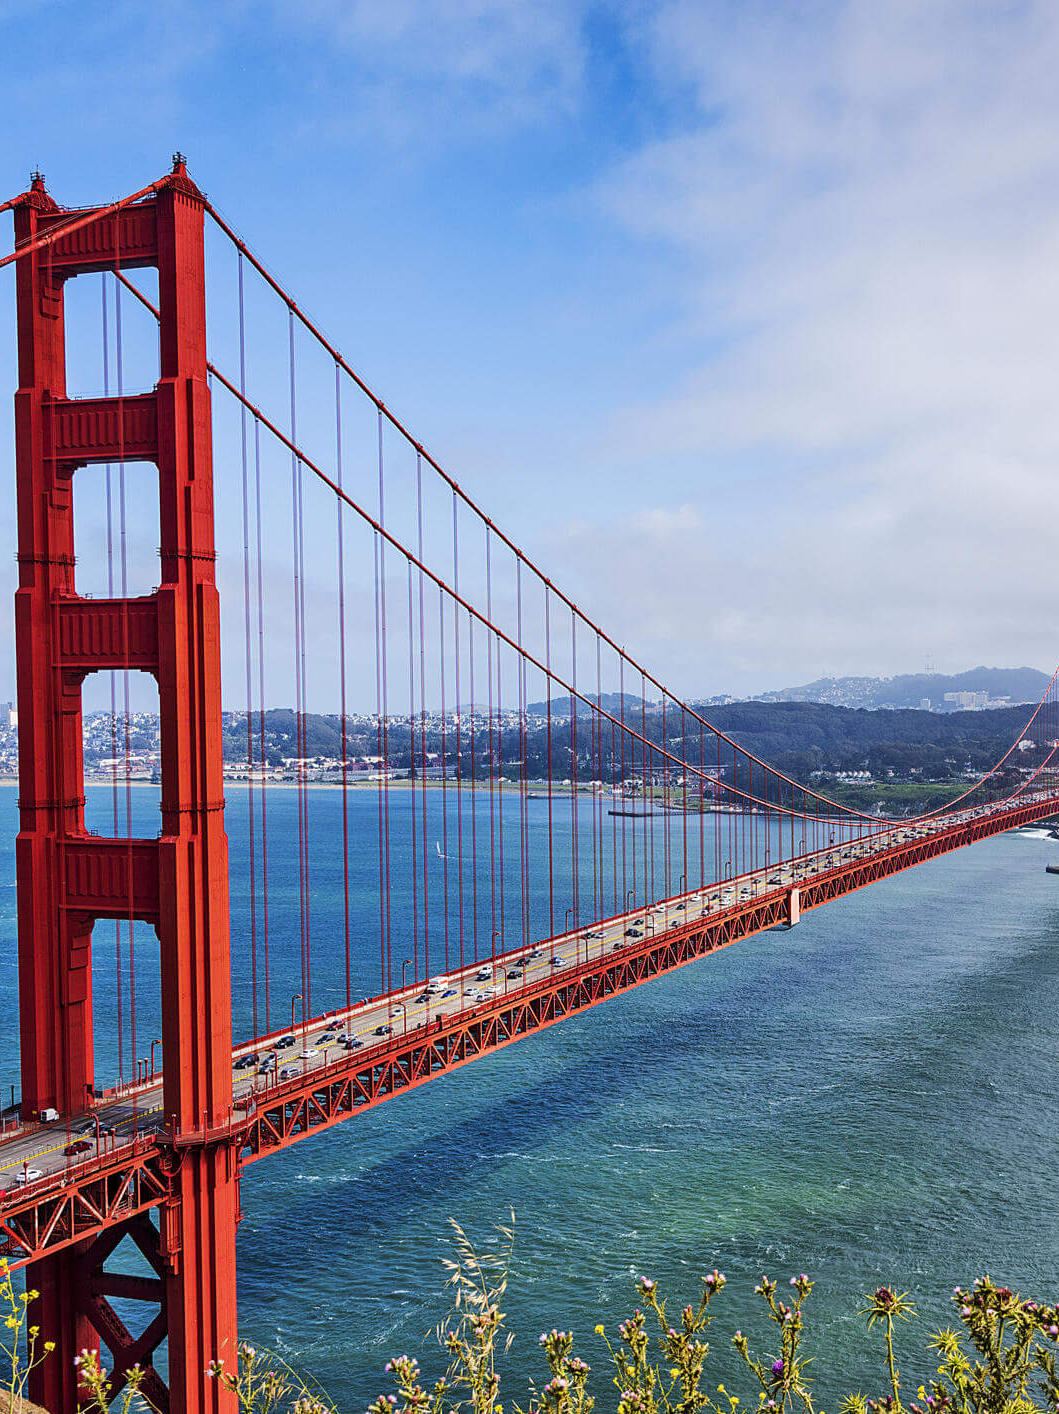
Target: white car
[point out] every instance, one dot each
(310, 1054)
(28, 1175)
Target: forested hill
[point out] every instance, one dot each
(800, 737)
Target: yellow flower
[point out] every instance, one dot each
(599, 1330)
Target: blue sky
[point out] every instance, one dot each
(744, 317)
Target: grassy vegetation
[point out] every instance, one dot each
(998, 1357)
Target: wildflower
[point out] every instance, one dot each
(777, 1369)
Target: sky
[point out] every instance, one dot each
(742, 317)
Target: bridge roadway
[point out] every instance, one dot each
(321, 1072)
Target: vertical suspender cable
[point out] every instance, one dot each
(261, 722)
(119, 1003)
(459, 725)
(249, 665)
(119, 369)
(343, 705)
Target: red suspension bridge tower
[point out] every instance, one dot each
(68, 878)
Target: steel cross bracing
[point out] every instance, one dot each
(79, 1200)
(173, 1144)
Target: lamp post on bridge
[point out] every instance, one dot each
(405, 964)
(155, 1042)
(492, 943)
(298, 997)
(577, 940)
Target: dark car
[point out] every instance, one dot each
(351, 1043)
(384, 1030)
(245, 1062)
(423, 997)
(283, 1043)
(633, 933)
(79, 1146)
(514, 973)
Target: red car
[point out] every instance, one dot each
(79, 1146)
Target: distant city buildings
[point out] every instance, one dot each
(975, 701)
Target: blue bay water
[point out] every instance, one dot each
(868, 1098)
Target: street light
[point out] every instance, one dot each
(298, 997)
(406, 963)
(577, 941)
(155, 1042)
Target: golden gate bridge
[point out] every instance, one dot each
(502, 898)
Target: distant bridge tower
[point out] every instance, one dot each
(67, 879)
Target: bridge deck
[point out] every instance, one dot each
(348, 1061)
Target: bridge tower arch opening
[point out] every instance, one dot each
(69, 878)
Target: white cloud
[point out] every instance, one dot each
(867, 207)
